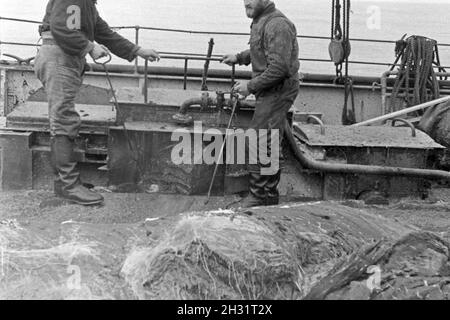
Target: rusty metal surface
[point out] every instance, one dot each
(316, 96)
(43, 175)
(393, 157)
(160, 97)
(368, 137)
(164, 127)
(339, 187)
(149, 162)
(34, 116)
(88, 94)
(15, 161)
(164, 103)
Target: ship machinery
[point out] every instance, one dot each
(333, 149)
(352, 144)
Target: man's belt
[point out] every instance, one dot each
(49, 41)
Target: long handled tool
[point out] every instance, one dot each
(104, 63)
(135, 153)
(233, 111)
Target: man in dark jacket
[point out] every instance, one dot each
(69, 30)
(275, 83)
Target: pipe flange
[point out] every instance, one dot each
(183, 119)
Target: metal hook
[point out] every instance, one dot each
(409, 124)
(319, 122)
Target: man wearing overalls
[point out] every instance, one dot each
(274, 57)
(69, 30)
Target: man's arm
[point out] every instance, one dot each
(279, 45)
(118, 45)
(66, 20)
(244, 57)
(240, 58)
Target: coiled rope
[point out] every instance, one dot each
(416, 82)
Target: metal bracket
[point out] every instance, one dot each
(145, 89)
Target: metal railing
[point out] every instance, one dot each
(201, 57)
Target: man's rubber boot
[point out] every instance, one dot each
(271, 189)
(256, 196)
(68, 185)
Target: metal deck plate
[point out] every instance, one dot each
(34, 116)
(151, 126)
(368, 137)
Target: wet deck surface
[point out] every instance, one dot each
(29, 206)
(37, 207)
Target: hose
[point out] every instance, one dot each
(326, 167)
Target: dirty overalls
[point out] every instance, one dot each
(62, 76)
(275, 82)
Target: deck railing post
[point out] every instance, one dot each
(233, 75)
(186, 61)
(136, 63)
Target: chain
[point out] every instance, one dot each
(339, 76)
(347, 33)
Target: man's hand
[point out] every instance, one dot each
(241, 87)
(229, 59)
(98, 52)
(149, 54)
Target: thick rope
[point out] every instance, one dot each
(416, 82)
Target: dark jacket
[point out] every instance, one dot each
(273, 50)
(74, 24)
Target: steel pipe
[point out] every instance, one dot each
(192, 102)
(183, 118)
(403, 112)
(145, 81)
(383, 83)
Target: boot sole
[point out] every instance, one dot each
(93, 203)
(86, 204)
